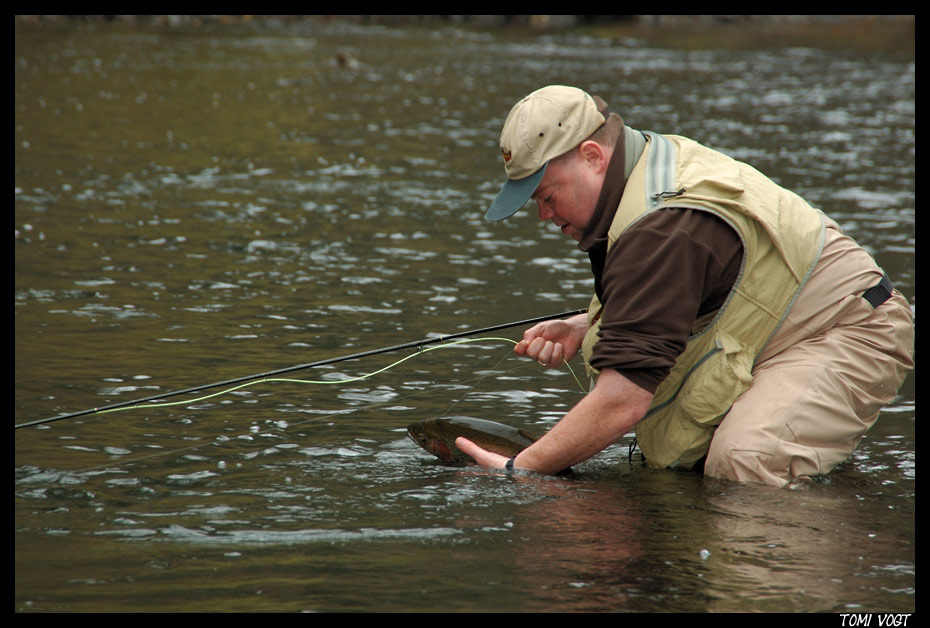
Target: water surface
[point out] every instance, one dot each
(194, 207)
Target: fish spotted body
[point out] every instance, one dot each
(437, 436)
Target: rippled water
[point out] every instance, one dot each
(191, 208)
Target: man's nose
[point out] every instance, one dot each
(545, 212)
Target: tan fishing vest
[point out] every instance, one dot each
(782, 239)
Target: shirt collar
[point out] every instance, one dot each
(609, 198)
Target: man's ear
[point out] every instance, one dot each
(594, 155)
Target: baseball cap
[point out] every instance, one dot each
(549, 122)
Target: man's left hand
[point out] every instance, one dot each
(482, 456)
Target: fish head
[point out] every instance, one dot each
(434, 445)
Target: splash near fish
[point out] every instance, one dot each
(437, 436)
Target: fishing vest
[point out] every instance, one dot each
(782, 238)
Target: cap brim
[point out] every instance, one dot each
(514, 194)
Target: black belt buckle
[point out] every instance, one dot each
(880, 293)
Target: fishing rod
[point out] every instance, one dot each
(298, 367)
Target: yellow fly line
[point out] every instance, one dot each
(334, 381)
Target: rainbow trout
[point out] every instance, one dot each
(437, 436)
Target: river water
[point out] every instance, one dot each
(192, 207)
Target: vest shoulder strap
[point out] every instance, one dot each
(660, 170)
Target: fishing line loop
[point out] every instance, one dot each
(420, 350)
(290, 424)
(137, 403)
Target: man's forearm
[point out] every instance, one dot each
(604, 415)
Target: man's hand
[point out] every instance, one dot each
(553, 342)
(481, 456)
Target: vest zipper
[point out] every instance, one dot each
(717, 348)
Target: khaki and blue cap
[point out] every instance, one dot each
(544, 125)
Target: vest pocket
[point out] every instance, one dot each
(716, 381)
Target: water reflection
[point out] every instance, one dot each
(190, 208)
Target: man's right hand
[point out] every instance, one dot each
(553, 342)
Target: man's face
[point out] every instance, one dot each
(568, 192)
